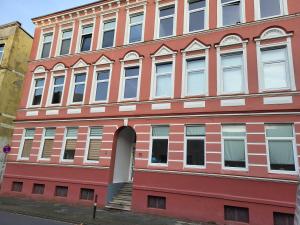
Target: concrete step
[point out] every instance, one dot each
(125, 208)
(120, 202)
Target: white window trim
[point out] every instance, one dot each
(64, 145)
(123, 78)
(32, 90)
(293, 139)
(157, 19)
(72, 87)
(283, 10)
(22, 145)
(40, 158)
(153, 77)
(185, 58)
(41, 43)
(291, 77)
(151, 144)
(51, 89)
(187, 18)
(95, 82)
(186, 138)
(60, 39)
(79, 35)
(234, 138)
(87, 146)
(102, 31)
(128, 26)
(220, 13)
(220, 72)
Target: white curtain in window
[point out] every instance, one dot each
(96, 131)
(281, 152)
(29, 132)
(72, 132)
(233, 130)
(195, 130)
(50, 132)
(163, 86)
(234, 150)
(285, 130)
(160, 131)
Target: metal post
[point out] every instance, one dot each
(2, 170)
(95, 207)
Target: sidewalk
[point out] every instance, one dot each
(79, 214)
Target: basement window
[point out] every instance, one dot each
(87, 194)
(238, 214)
(38, 189)
(283, 218)
(61, 191)
(17, 186)
(156, 202)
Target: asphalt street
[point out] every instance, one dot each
(17, 219)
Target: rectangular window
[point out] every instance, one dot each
(46, 45)
(1, 51)
(86, 38)
(95, 140)
(136, 27)
(238, 214)
(79, 88)
(27, 143)
(130, 82)
(17, 186)
(196, 15)
(163, 80)
(108, 39)
(156, 202)
(38, 189)
(195, 145)
(231, 12)
(87, 194)
(281, 142)
(58, 88)
(270, 8)
(61, 191)
(166, 21)
(102, 85)
(49, 136)
(160, 142)
(195, 83)
(234, 146)
(275, 68)
(38, 90)
(232, 73)
(70, 143)
(65, 45)
(283, 218)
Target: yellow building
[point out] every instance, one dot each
(15, 47)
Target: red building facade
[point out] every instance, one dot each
(195, 102)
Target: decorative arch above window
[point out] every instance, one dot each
(40, 69)
(164, 51)
(273, 33)
(130, 56)
(232, 39)
(80, 64)
(59, 67)
(195, 46)
(103, 60)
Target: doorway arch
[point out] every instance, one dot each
(124, 155)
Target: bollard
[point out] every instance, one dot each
(95, 207)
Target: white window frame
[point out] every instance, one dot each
(42, 144)
(234, 138)
(102, 31)
(220, 52)
(95, 82)
(293, 139)
(283, 9)
(73, 84)
(186, 138)
(129, 25)
(157, 19)
(220, 12)
(2, 56)
(86, 152)
(60, 40)
(79, 37)
(41, 44)
(151, 144)
(187, 17)
(22, 144)
(64, 145)
(32, 90)
(51, 89)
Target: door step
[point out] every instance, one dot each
(122, 201)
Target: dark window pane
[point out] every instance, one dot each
(39, 82)
(108, 39)
(196, 21)
(65, 47)
(159, 151)
(38, 189)
(57, 95)
(69, 154)
(37, 98)
(157, 202)
(78, 93)
(195, 152)
(133, 71)
(80, 78)
(103, 75)
(86, 42)
(197, 4)
(59, 80)
(1, 51)
(46, 50)
(269, 8)
(167, 11)
(135, 33)
(86, 194)
(17, 186)
(236, 214)
(101, 92)
(283, 218)
(130, 88)
(61, 191)
(231, 14)
(166, 27)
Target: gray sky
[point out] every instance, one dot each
(24, 10)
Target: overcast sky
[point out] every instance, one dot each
(24, 10)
